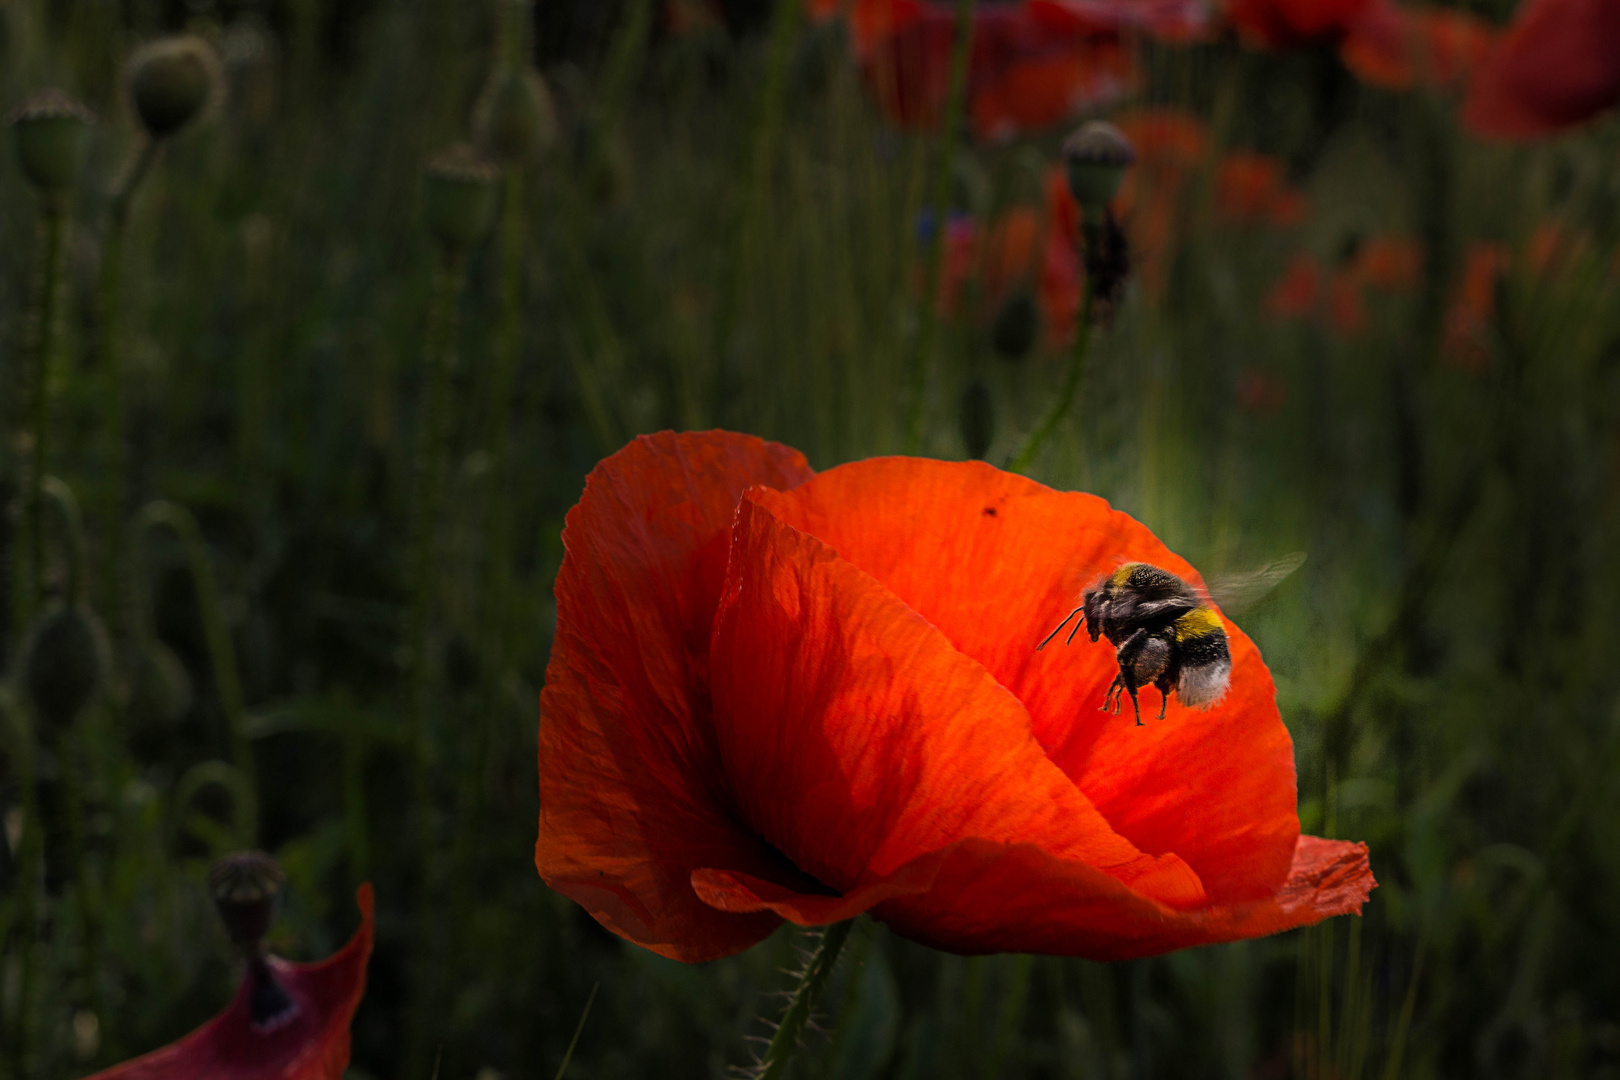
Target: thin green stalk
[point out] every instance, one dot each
(922, 354)
(432, 452)
(30, 582)
(1014, 997)
(508, 343)
(1072, 379)
(19, 1034)
(221, 651)
(812, 981)
(110, 292)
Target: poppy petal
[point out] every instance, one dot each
(994, 560)
(979, 896)
(1553, 68)
(857, 739)
(632, 795)
(312, 1043)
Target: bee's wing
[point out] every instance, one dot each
(1236, 592)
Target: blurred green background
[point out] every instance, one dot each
(724, 232)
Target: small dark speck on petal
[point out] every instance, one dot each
(989, 511)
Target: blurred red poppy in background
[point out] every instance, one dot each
(1296, 293)
(781, 695)
(1281, 24)
(1466, 340)
(1400, 48)
(1557, 65)
(1388, 263)
(1032, 65)
(299, 1034)
(1250, 190)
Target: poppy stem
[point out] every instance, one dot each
(1071, 387)
(811, 984)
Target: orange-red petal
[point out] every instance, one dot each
(857, 738)
(1554, 67)
(632, 793)
(993, 561)
(312, 1044)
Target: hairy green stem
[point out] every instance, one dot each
(221, 651)
(30, 582)
(19, 1033)
(1072, 379)
(921, 360)
(110, 346)
(811, 983)
(432, 453)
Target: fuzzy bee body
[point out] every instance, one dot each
(1164, 632)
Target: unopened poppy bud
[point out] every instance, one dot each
(458, 197)
(170, 81)
(247, 890)
(52, 132)
(1016, 325)
(1095, 158)
(160, 691)
(65, 663)
(514, 121)
(977, 415)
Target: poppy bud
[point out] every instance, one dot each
(52, 132)
(1095, 158)
(976, 413)
(514, 121)
(1013, 332)
(458, 197)
(65, 663)
(170, 81)
(247, 890)
(160, 691)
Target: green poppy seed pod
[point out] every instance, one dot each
(515, 121)
(458, 197)
(160, 690)
(53, 133)
(171, 80)
(246, 888)
(65, 663)
(1095, 158)
(977, 415)
(1016, 325)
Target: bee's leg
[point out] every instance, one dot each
(1163, 683)
(1135, 706)
(1110, 700)
(1130, 652)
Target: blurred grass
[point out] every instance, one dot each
(698, 257)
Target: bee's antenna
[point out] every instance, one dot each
(1078, 623)
(1062, 624)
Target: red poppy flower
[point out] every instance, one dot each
(1282, 24)
(1553, 68)
(780, 695)
(1389, 262)
(1473, 307)
(1250, 190)
(1295, 294)
(1399, 48)
(305, 1037)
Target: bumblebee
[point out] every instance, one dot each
(1164, 633)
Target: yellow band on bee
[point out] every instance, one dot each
(1199, 622)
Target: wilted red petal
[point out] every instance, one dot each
(1295, 294)
(993, 561)
(310, 1044)
(857, 738)
(632, 793)
(1553, 68)
(1280, 24)
(1402, 47)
